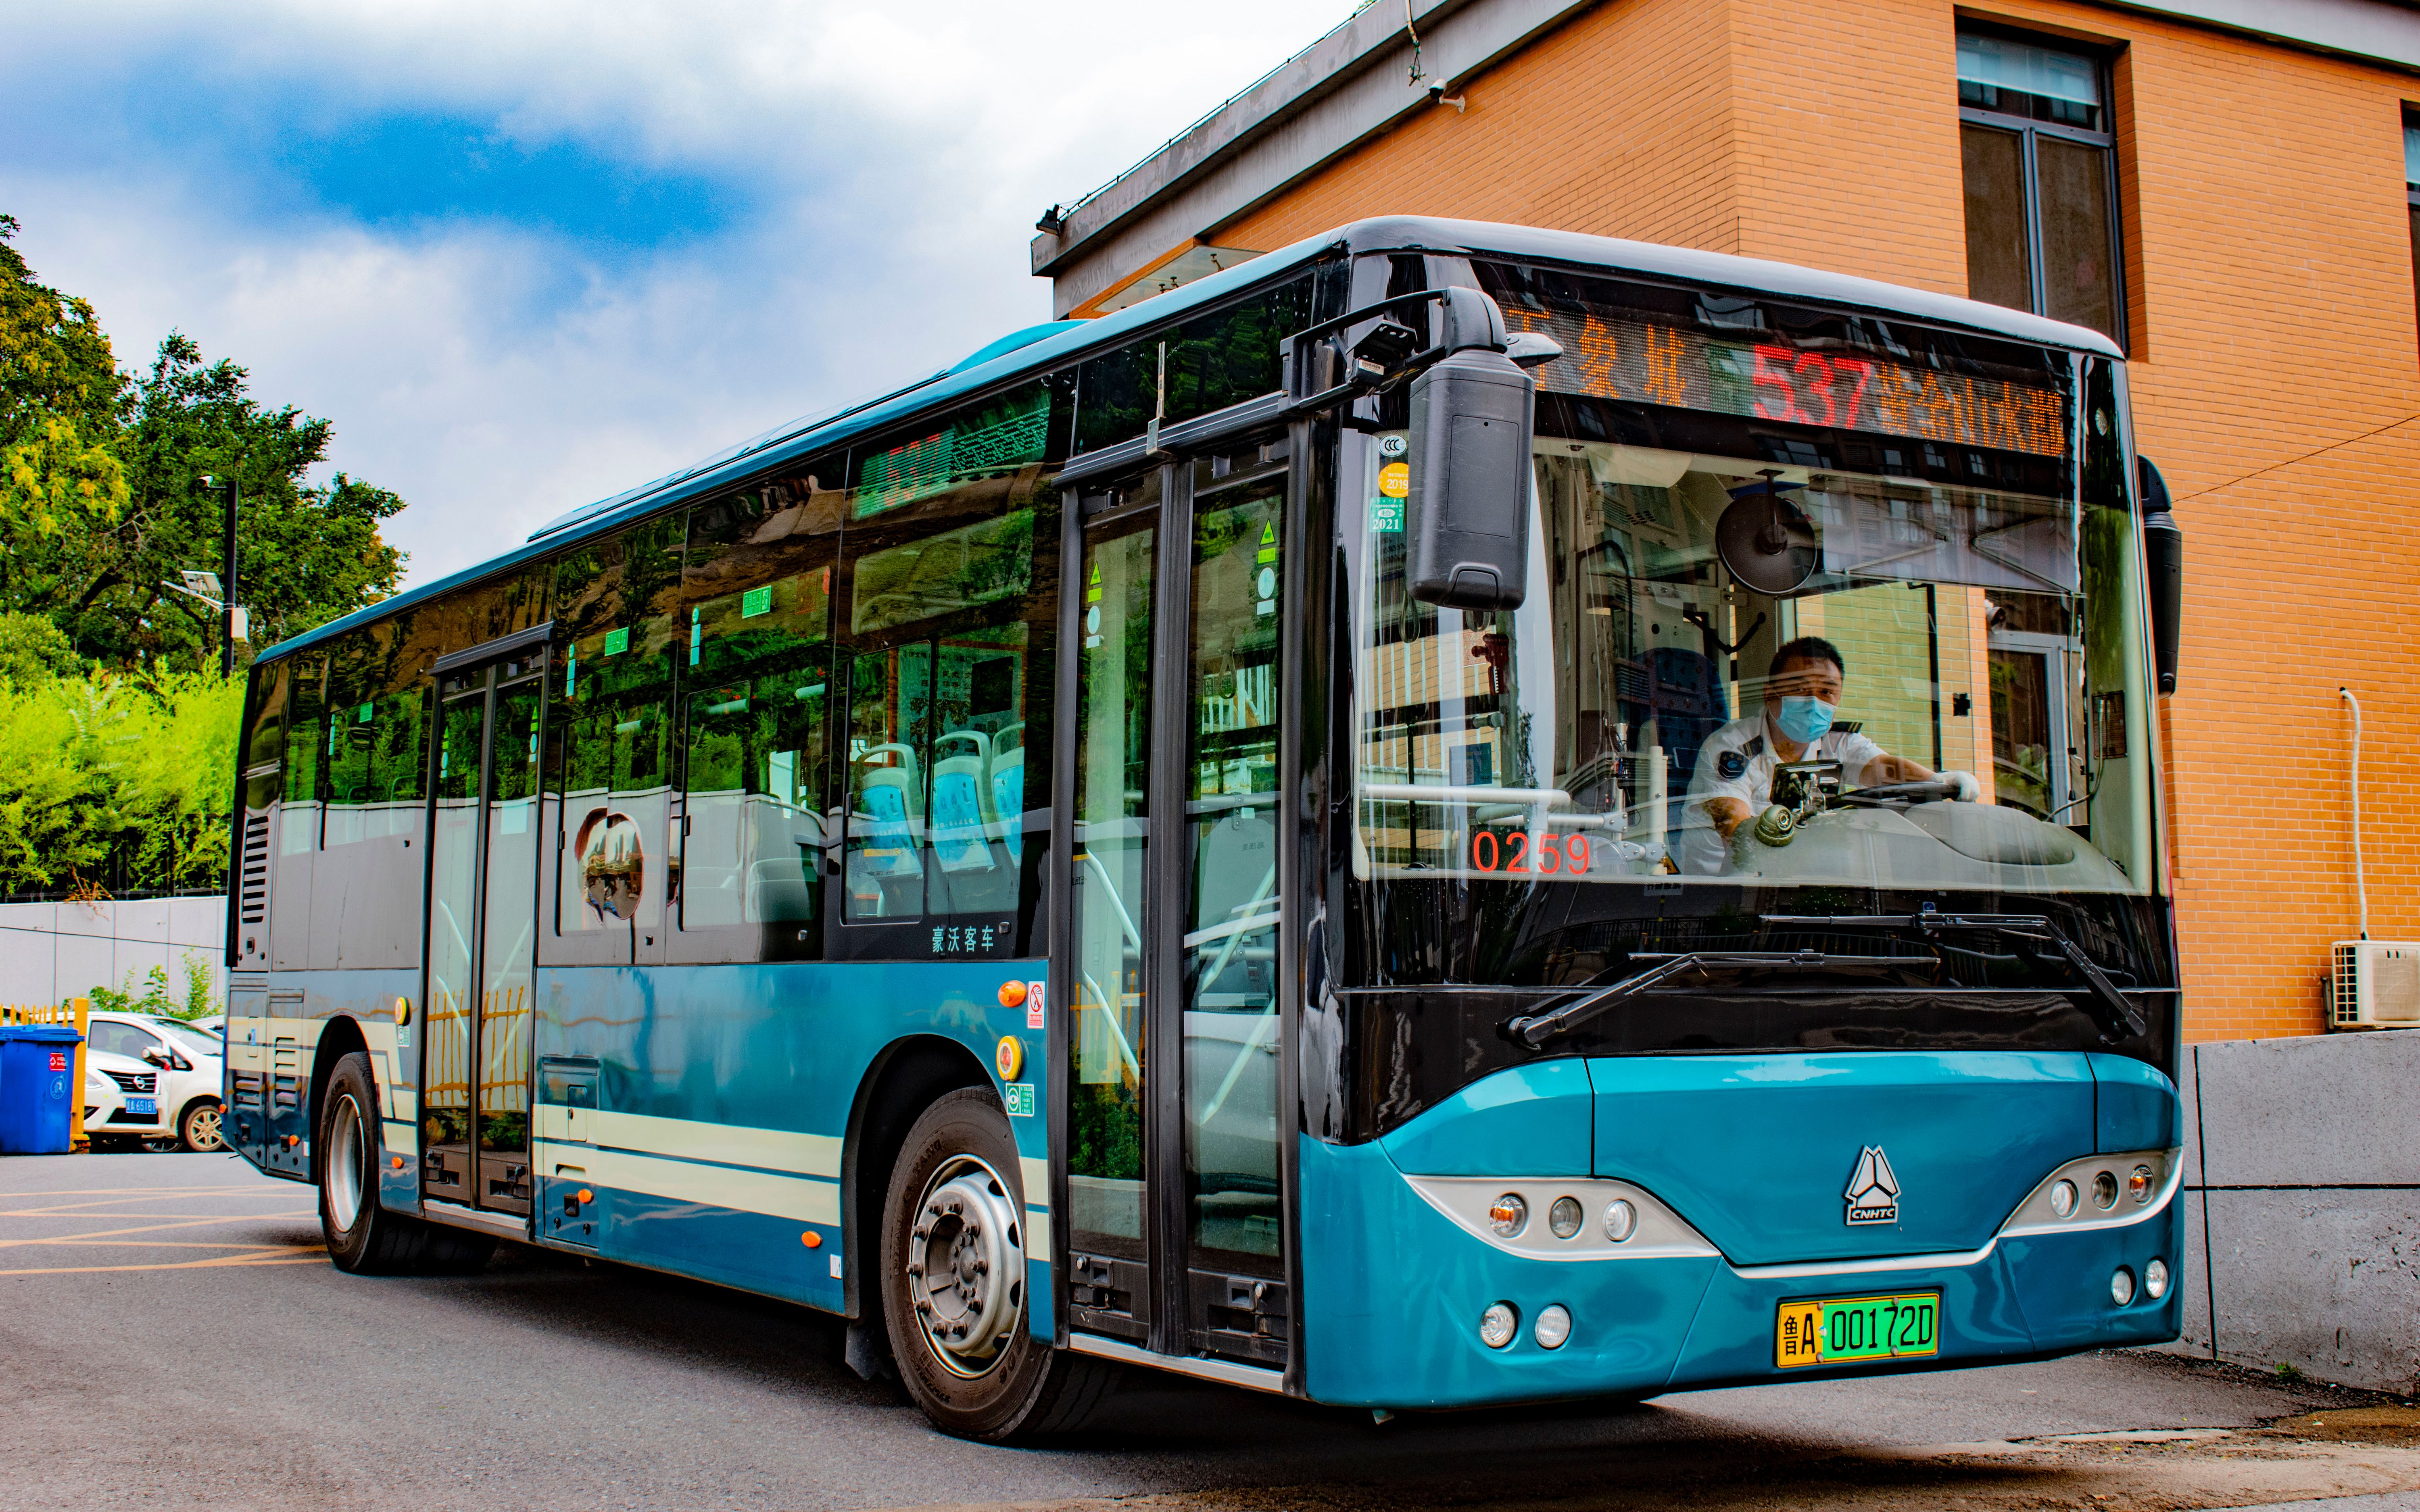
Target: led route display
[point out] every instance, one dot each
(1610, 357)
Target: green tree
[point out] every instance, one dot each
(63, 404)
(308, 553)
(33, 649)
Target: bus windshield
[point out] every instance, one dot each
(1769, 671)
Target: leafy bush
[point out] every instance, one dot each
(199, 1001)
(103, 767)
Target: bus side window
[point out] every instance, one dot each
(949, 580)
(618, 637)
(264, 756)
(298, 815)
(756, 692)
(889, 715)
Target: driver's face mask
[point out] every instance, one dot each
(1803, 720)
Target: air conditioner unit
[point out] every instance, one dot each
(2376, 985)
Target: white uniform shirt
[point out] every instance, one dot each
(1738, 760)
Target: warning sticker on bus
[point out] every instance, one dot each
(1839, 1330)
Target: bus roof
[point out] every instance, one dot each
(1037, 349)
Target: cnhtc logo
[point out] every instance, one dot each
(1873, 1190)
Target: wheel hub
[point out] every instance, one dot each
(966, 1266)
(347, 1156)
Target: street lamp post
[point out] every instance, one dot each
(227, 611)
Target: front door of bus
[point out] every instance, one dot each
(1176, 1222)
(482, 916)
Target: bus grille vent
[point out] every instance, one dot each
(254, 906)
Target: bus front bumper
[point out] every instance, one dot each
(1394, 1293)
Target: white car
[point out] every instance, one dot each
(189, 1063)
(122, 1105)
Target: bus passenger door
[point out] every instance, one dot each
(482, 919)
(1176, 1229)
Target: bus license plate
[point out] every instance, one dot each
(143, 1107)
(1837, 1330)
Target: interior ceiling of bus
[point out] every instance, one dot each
(1039, 347)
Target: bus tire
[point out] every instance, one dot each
(953, 1208)
(365, 1239)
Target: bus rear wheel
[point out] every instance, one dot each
(953, 1284)
(364, 1238)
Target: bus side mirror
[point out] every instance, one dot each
(2164, 560)
(1468, 506)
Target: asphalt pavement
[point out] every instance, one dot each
(172, 1335)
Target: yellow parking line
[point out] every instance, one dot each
(221, 1263)
(150, 1243)
(264, 1188)
(144, 1229)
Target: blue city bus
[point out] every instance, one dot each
(1455, 814)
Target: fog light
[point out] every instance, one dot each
(2121, 1286)
(1620, 1219)
(2062, 1199)
(1497, 1325)
(1508, 1214)
(1553, 1326)
(2138, 1185)
(1564, 1218)
(2104, 1191)
(2155, 1279)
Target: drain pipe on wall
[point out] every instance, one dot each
(2360, 881)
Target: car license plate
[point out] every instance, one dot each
(143, 1106)
(1839, 1330)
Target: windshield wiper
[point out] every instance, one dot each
(2113, 1010)
(1534, 1029)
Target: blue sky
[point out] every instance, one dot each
(528, 253)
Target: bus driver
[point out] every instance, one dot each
(1802, 693)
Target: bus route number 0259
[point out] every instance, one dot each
(1513, 852)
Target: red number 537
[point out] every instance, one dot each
(1808, 388)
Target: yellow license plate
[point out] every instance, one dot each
(1839, 1330)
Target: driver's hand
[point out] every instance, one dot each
(1964, 788)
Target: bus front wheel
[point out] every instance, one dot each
(953, 1284)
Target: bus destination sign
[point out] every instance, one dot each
(1614, 358)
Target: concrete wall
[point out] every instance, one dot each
(2303, 1206)
(48, 951)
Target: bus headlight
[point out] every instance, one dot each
(1497, 1325)
(2104, 1191)
(1553, 1327)
(1564, 1218)
(2121, 1286)
(1508, 1215)
(2138, 1185)
(2063, 1199)
(1620, 1219)
(2155, 1279)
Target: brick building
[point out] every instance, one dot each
(2221, 186)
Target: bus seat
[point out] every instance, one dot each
(890, 802)
(962, 811)
(1008, 790)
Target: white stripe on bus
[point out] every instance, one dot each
(799, 1199)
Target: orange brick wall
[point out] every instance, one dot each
(2272, 315)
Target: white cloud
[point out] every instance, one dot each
(496, 375)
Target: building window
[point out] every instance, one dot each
(2412, 190)
(2041, 180)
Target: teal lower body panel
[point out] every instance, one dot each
(1393, 1293)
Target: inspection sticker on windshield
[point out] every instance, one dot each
(1839, 1330)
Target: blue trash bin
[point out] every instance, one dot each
(40, 1099)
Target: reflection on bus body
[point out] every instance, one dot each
(612, 864)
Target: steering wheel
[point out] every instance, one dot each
(1894, 794)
